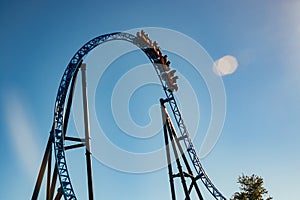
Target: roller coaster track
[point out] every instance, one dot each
(58, 130)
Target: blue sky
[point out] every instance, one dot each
(261, 131)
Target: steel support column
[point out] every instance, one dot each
(42, 169)
(170, 171)
(87, 132)
(170, 135)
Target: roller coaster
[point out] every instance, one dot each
(63, 104)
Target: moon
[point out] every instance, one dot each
(225, 65)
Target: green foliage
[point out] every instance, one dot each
(251, 188)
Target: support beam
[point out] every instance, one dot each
(170, 134)
(179, 167)
(59, 194)
(74, 139)
(74, 146)
(49, 174)
(190, 172)
(171, 177)
(87, 132)
(53, 183)
(42, 169)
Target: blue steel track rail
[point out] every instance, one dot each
(59, 112)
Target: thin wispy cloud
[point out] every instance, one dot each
(290, 45)
(21, 131)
